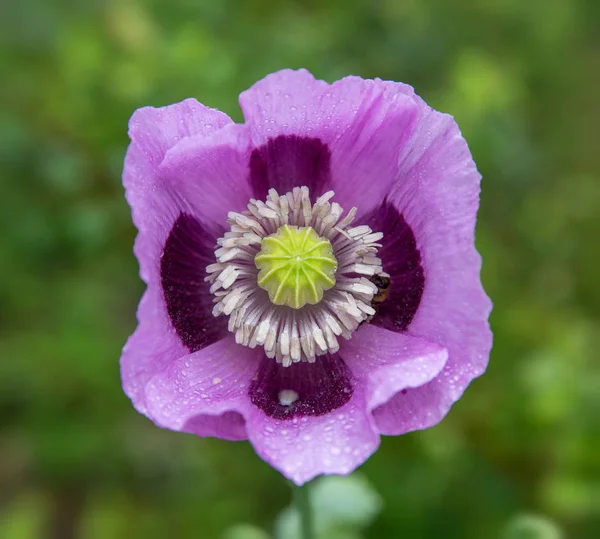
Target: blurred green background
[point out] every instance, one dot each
(523, 80)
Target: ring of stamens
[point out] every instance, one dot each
(291, 332)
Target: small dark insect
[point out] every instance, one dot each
(383, 289)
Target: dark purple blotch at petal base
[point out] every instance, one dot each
(322, 386)
(290, 161)
(402, 260)
(188, 250)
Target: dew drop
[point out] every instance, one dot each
(287, 397)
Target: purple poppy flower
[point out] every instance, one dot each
(312, 276)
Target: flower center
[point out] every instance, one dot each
(296, 266)
(293, 275)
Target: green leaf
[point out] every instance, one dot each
(532, 527)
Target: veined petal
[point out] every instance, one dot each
(155, 130)
(154, 342)
(308, 440)
(281, 104)
(154, 206)
(155, 210)
(439, 197)
(365, 150)
(152, 346)
(307, 446)
(209, 174)
(205, 393)
(174, 316)
(387, 363)
(361, 123)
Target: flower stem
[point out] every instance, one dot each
(302, 503)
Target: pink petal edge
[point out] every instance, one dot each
(439, 196)
(363, 123)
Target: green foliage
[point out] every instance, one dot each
(341, 508)
(522, 80)
(532, 527)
